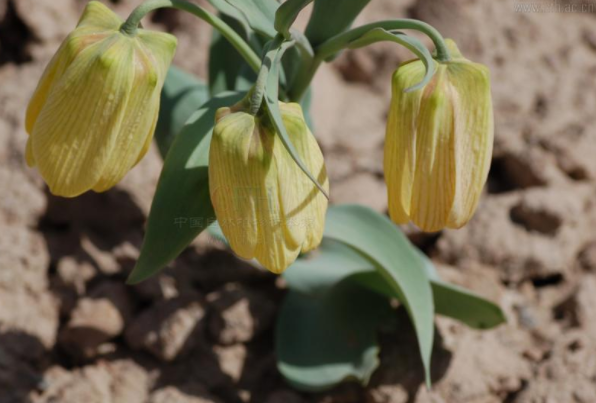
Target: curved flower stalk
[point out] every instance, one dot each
(266, 207)
(93, 114)
(438, 143)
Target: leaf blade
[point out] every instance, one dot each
(257, 14)
(323, 341)
(375, 236)
(334, 262)
(286, 15)
(321, 27)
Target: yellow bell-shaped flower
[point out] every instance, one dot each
(267, 207)
(93, 114)
(438, 143)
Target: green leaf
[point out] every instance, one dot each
(322, 341)
(292, 62)
(286, 15)
(413, 44)
(326, 266)
(458, 303)
(375, 236)
(228, 71)
(181, 206)
(257, 14)
(334, 262)
(182, 94)
(228, 10)
(306, 103)
(330, 17)
(271, 96)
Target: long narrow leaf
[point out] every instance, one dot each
(332, 17)
(375, 236)
(257, 14)
(181, 96)
(333, 262)
(323, 341)
(286, 15)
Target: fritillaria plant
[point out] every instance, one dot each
(241, 159)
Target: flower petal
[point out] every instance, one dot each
(98, 16)
(435, 174)
(473, 129)
(141, 106)
(76, 130)
(400, 140)
(54, 70)
(160, 47)
(234, 189)
(277, 246)
(304, 205)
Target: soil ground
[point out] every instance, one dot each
(202, 331)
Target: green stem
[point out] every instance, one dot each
(339, 42)
(132, 22)
(258, 90)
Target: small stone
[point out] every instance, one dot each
(194, 394)
(75, 274)
(169, 327)
(231, 360)
(130, 382)
(240, 315)
(121, 381)
(92, 322)
(587, 257)
(96, 319)
(28, 322)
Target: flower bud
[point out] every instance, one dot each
(267, 207)
(438, 143)
(93, 114)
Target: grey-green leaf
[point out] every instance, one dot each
(181, 206)
(330, 17)
(375, 236)
(258, 14)
(333, 262)
(329, 264)
(182, 94)
(228, 71)
(458, 303)
(228, 10)
(286, 15)
(322, 341)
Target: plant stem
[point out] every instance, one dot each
(339, 42)
(258, 90)
(132, 22)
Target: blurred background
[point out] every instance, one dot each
(72, 332)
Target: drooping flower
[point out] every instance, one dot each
(267, 207)
(438, 143)
(93, 114)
